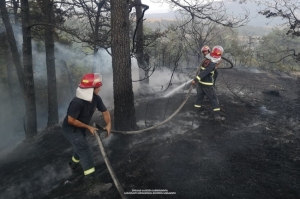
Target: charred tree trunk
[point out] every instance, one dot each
(96, 33)
(70, 78)
(15, 8)
(50, 62)
(31, 123)
(7, 60)
(16, 58)
(13, 45)
(124, 111)
(143, 66)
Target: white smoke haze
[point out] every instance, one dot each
(10, 134)
(78, 63)
(248, 69)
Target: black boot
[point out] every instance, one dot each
(217, 116)
(75, 168)
(77, 172)
(94, 185)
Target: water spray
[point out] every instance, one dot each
(176, 111)
(179, 87)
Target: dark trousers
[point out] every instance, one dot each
(215, 76)
(81, 148)
(209, 91)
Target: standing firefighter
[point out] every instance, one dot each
(205, 79)
(205, 50)
(75, 124)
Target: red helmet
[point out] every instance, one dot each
(217, 52)
(91, 80)
(205, 48)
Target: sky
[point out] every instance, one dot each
(233, 8)
(156, 7)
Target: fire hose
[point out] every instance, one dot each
(102, 149)
(231, 64)
(171, 116)
(108, 164)
(106, 160)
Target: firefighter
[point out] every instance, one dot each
(76, 122)
(205, 81)
(205, 50)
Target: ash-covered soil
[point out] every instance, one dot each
(253, 153)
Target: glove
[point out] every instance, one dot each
(197, 78)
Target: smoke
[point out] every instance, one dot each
(11, 108)
(249, 69)
(35, 186)
(164, 80)
(72, 61)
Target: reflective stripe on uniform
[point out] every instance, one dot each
(216, 109)
(89, 171)
(197, 106)
(206, 83)
(75, 160)
(212, 72)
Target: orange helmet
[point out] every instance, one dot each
(205, 48)
(91, 80)
(217, 52)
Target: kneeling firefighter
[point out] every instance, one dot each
(76, 122)
(205, 81)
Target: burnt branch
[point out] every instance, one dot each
(145, 7)
(291, 53)
(209, 10)
(285, 9)
(146, 77)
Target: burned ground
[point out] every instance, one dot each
(253, 153)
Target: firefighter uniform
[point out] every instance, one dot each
(83, 111)
(76, 122)
(205, 81)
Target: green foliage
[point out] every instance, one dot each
(277, 51)
(38, 18)
(254, 30)
(274, 50)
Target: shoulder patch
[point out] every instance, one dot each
(206, 62)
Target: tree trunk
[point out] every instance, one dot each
(15, 8)
(16, 58)
(70, 78)
(124, 111)
(143, 66)
(13, 45)
(96, 36)
(12, 109)
(50, 62)
(31, 124)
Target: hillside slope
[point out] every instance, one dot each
(253, 153)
